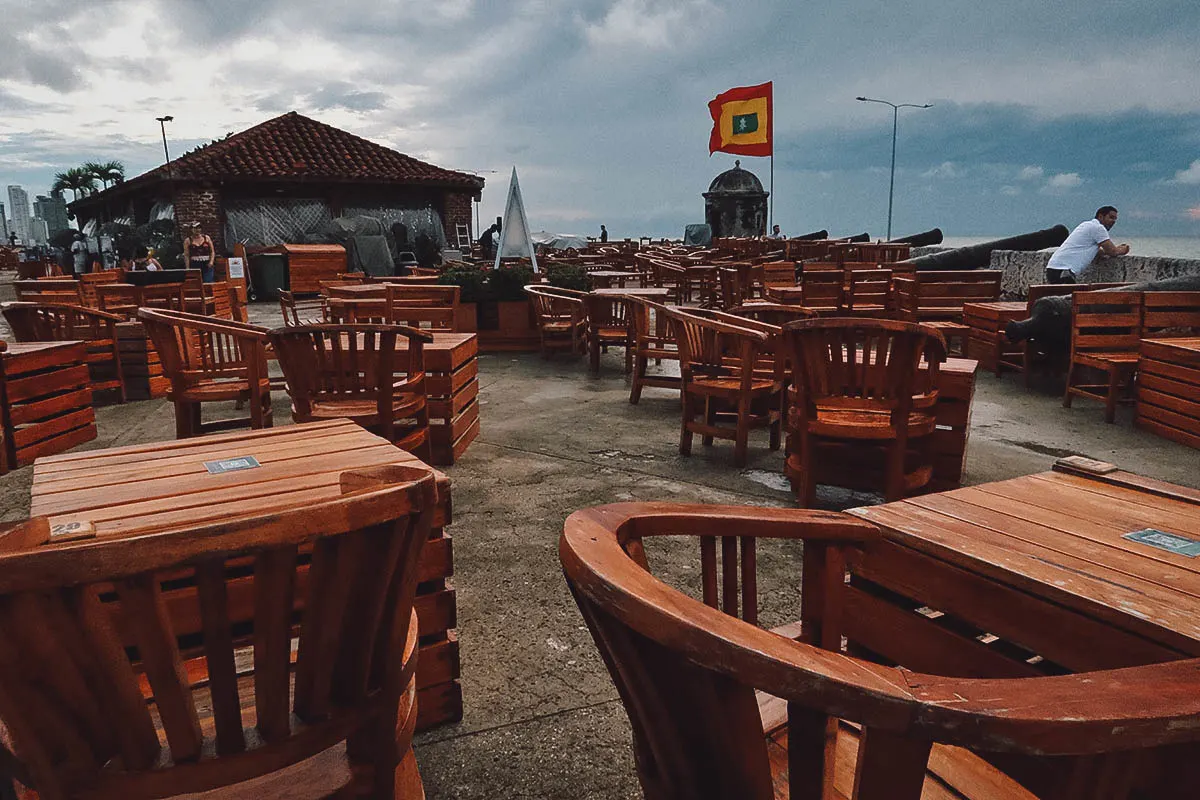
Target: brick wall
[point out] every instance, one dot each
(457, 211)
(201, 204)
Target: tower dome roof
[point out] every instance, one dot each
(736, 181)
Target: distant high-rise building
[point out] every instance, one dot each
(3, 226)
(38, 232)
(18, 200)
(54, 211)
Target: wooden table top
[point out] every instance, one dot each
(647, 291)
(363, 289)
(999, 305)
(1184, 345)
(612, 273)
(160, 486)
(1062, 538)
(25, 348)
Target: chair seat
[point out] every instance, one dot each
(861, 424)
(211, 390)
(734, 385)
(1103, 360)
(561, 325)
(947, 325)
(365, 410)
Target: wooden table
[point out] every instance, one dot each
(1168, 389)
(47, 399)
(986, 342)
(604, 278)
(1030, 576)
(657, 293)
(127, 491)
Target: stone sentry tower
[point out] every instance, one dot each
(735, 204)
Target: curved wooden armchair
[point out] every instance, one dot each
(773, 313)
(103, 695)
(857, 381)
(722, 709)
(561, 318)
(651, 341)
(609, 324)
(210, 360)
(34, 322)
(373, 375)
(724, 375)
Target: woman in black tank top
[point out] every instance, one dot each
(199, 252)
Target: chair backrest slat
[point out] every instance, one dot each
(1106, 321)
(274, 585)
(1170, 313)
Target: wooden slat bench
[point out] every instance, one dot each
(1168, 389)
(47, 398)
(986, 342)
(938, 297)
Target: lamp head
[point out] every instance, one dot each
(862, 99)
(167, 118)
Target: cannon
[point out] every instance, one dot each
(978, 256)
(812, 237)
(862, 237)
(923, 239)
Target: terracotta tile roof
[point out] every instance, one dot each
(293, 146)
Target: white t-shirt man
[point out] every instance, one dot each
(1080, 248)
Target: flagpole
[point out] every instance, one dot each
(771, 224)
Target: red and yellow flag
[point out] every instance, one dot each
(742, 120)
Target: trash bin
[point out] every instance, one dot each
(268, 275)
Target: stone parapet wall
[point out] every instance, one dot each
(1021, 269)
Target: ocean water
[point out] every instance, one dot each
(1161, 246)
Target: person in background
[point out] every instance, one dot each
(775, 233)
(1089, 238)
(487, 244)
(79, 254)
(145, 260)
(603, 234)
(199, 253)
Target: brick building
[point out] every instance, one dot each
(283, 180)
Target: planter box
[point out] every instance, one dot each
(506, 326)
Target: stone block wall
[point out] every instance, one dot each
(1021, 269)
(201, 204)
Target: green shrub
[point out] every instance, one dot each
(567, 276)
(471, 279)
(508, 282)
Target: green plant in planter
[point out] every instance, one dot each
(567, 276)
(508, 282)
(471, 279)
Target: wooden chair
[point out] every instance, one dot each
(88, 281)
(722, 709)
(856, 381)
(102, 695)
(1048, 356)
(936, 297)
(63, 292)
(209, 360)
(431, 308)
(301, 310)
(360, 372)
(561, 319)
(1170, 314)
(652, 339)
(721, 378)
(609, 324)
(217, 299)
(32, 322)
(1106, 329)
(822, 291)
(868, 293)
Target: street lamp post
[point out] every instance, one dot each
(162, 124)
(895, 123)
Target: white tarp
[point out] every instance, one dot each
(559, 241)
(514, 231)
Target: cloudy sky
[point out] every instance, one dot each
(1042, 110)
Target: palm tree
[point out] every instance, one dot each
(78, 180)
(107, 172)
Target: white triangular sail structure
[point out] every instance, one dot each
(515, 241)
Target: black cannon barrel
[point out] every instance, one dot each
(812, 237)
(862, 237)
(978, 256)
(923, 239)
